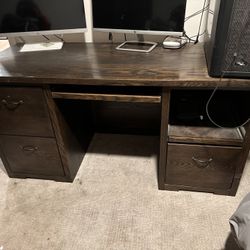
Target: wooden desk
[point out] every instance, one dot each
(48, 100)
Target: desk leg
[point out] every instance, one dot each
(70, 148)
(242, 161)
(165, 103)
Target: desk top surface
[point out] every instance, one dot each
(102, 64)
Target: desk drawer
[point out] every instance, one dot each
(201, 166)
(31, 156)
(23, 111)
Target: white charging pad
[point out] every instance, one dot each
(172, 42)
(29, 47)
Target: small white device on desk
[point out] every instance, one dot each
(172, 42)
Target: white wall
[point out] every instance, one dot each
(191, 27)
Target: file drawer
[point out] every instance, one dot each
(31, 156)
(23, 111)
(201, 166)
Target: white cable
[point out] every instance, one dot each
(209, 117)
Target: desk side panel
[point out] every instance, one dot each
(73, 130)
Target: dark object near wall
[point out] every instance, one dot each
(19, 16)
(140, 15)
(227, 46)
(226, 108)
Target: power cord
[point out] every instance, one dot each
(202, 11)
(60, 38)
(190, 39)
(111, 37)
(46, 37)
(209, 117)
(202, 14)
(222, 75)
(196, 13)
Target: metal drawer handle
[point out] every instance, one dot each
(11, 105)
(30, 149)
(202, 163)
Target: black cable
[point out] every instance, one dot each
(208, 114)
(189, 38)
(22, 39)
(198, 35)
(222, 75)
(60, 38)
(205, 8)
(196, 13)
(201, 11)
(111, 37)
(46, 37)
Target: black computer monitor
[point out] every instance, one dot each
(161, 17)
(41, 17)
(155, 17)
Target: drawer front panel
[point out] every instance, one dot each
(201, 166)
(23, 111)
(31, 155)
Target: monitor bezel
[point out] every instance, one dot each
(44, 32)
(141, 32)
(52, 31)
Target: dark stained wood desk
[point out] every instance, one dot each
(52, 102)
(101, 64)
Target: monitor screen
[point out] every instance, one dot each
(139, 15)
(17, 16)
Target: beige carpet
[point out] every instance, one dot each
(114, 203)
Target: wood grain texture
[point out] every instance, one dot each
(107, 97)
(165, 105)
(242, 159)
(23, 111)
(31, 156)
(69, 144)
(201, 166)
(72, 71)
(174, 187)
(205, 135)
(101, 64)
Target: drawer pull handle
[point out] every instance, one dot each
(202, 163)
(30, 149)
(11, 105)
